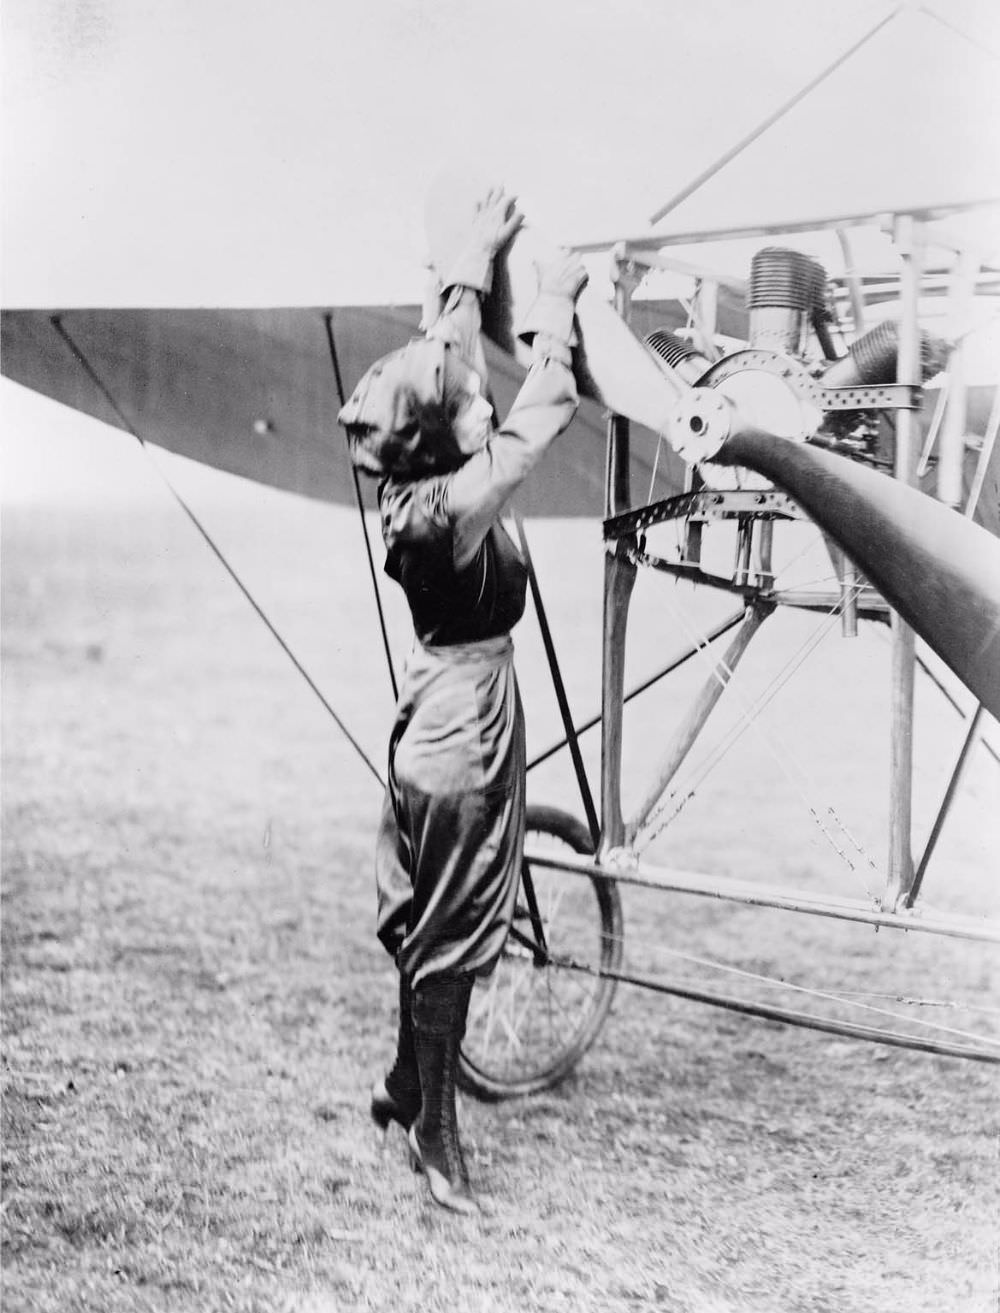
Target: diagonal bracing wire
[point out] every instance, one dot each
(748, 713)
(130, 428)
(825, 995)
(772, 118)
(981, 46)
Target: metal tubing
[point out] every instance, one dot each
(849, 600)
(854, 289)
(985, 456)
(951, 456)
(942, 813)
(765, 545)
(817, 223)
(848, 579)
(760, 895)
(899, 876)
(744, 545)
(924, 463)
(952, 452)
(705, 314)
(715, 632)
(696, 718)
(771, 119)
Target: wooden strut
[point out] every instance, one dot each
(619, 579)
(695, 721)
(899, 878)
(752, 894)
(620, 573)
(559, 686)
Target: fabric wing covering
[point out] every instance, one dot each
(254, 392)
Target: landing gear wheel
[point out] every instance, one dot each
(539, 1012)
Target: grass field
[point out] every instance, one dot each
(195, 1005)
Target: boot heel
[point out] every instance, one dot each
(386, 1108)
(440, 1007)
(416, 1161)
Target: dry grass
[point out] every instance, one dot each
(194, 1003)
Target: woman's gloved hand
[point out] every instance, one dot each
(564, 276)
(550, 316)
(495, 222)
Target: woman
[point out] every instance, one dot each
(452, 830)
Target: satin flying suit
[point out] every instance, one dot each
(451, 834)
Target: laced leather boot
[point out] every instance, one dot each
(440, 1007)
(396, 1097)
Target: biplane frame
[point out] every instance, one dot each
(610, 859)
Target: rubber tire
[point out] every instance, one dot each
(492, 1086)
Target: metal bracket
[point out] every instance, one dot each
(765, 504)
(887, 396)
(765, 362)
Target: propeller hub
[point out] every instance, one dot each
(699, 424)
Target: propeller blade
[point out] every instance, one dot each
(938, 569)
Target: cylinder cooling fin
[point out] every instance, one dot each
(872, 358)
(677, 354)
(787, 292)
(783, 278)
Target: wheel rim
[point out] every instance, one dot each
(545, 1001)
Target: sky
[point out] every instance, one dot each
(242, 152)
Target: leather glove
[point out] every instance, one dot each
(560, 283)
(495, 223)
(563, 276)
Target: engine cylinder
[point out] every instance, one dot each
(678, 354)
(871, 359)
(786, 288)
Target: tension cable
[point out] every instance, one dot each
(129, 428)
(748, 714)
(359, 498)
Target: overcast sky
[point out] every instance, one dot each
(255, 152)
(250, 152)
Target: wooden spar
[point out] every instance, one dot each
(647, 241)
(899, 876)
(619, 579)
(692, 725)
(754, 894)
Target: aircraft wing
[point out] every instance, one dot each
(254, 392)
